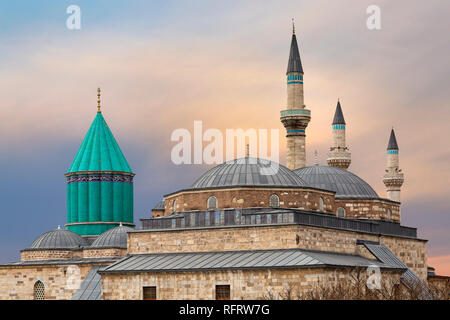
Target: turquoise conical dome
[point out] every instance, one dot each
(99, 150)
(99, 184)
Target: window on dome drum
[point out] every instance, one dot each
(340, 212)
(174, 207)
(389, 214)
(211, 204)
(321, 204)
(274, 201)
(223, 292)
(39, 290)
(149, 293)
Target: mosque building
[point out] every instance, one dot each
(236, 233)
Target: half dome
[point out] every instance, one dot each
(248, 172)
(343, 182)
(58, 239)
(112, 238)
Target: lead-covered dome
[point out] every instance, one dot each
(343, 182)
(248, 172)
(58, 239)
(112, 238)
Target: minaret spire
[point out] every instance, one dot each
(339, 156)
(296, 117)
(393, 178)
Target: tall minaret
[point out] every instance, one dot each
(295, 118)
(393, 178)
(339, 156)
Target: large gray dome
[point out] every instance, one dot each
(343, 182)
(248, 172)
(58, 239)
(115, 237)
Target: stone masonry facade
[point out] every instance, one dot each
(60, 281)
(376, 209)
(244, 284)
(411, 251)
(299, 198)
(306, 199)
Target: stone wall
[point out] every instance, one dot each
(17, 282)
(370, 209)
(244, 284)
(49, 254)
(306, 199)
(411, 251)
(104, 253)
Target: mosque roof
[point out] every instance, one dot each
(248, 171)
(294, 63)
(392, 145)
(115, 237)
(343, 182)
(338, 115)
(99, 150)
(240, 260)
(58, 239)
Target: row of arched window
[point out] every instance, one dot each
(274, 202)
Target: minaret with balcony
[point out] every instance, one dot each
(339, 156)
(393, 178)
(295, 117)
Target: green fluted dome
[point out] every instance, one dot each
(99, 150)
(99, 184)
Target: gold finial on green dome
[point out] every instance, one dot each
(98, 100)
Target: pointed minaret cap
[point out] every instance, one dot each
(392, 145)
(338, 115)
(294, 64)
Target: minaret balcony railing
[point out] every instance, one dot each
(295, 112)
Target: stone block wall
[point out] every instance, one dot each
(411, 251)
(244, 284)
(306, 199)
(104, 253)
(49, 254)
(370, 209)
(60, 281)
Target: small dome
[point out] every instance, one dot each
(115, 237)
(160, 206)
(58, 239)
(343, 182)
(248, 172)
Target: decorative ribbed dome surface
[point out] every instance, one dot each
(248, 172)
(343, 182)
(115, 237)
(99, 150)
(58, 239)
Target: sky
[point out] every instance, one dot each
(164, 64)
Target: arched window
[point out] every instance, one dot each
(389, 214)
(340, 212)
(274, 201)
(174, 207)
(321, 206)
(39, 290)
(211, 204)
